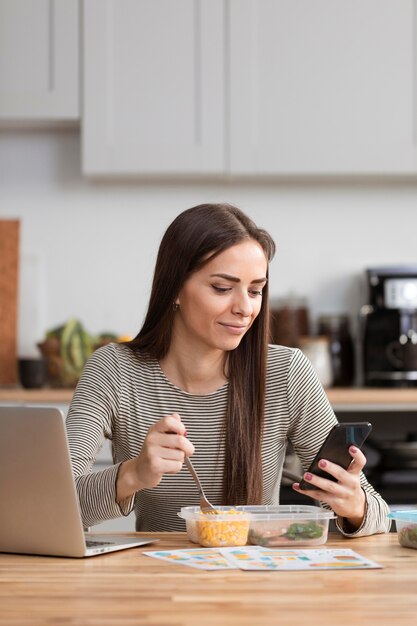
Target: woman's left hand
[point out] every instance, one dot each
(346, 496)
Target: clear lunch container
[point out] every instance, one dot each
(288, 525)
(406, 525)
(228, 527)
(268, 526)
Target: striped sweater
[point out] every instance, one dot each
(120, 395)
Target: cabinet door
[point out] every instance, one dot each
(39, 44)
(153, 87)
(322, 87)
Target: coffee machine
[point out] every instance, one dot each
(389, 327)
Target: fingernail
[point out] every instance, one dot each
(308, 476)
(185, 434)
(322, 463)
(353, 449)
(296, 486)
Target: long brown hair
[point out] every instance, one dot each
(195, 237)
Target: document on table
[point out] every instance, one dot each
(201, 558)
(267, 559)
(313, 560)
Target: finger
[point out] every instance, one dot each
(189, 449)
(173, 467)
(333, 469)
(322, 485)
(359, 460)
(314, 494)
(167, 466)
(170, 424)
(169, 454)
(171, 440)
(338, 472)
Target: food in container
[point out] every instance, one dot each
(406, 524)
(229, 526)
(288, 525)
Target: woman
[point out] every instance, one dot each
(200, 379)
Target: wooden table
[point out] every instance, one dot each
(129, 589)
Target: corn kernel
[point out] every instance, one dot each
(214, 532)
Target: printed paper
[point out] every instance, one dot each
(268, 559)
(200, 558)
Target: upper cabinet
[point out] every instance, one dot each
(219, 87)
(249, 87)
(39, 60)
(154, 87)
(325, 87)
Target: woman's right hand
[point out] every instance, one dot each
(163, 452)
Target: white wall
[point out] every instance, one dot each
(88, 248)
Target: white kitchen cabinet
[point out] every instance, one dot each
(153, 87)
(39, 60)
(250, 87)
(325, 87)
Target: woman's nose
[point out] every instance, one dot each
(243, 305)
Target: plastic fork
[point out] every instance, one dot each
(205, 505)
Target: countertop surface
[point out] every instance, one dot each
(348, 398)
(128, 589)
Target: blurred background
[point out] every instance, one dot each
(117, 116)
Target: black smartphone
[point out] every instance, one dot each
(335, 448)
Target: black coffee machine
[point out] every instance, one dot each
(389, 327)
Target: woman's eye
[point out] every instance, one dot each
(255, 292)
(221, 289)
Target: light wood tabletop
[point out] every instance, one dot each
(128, 589)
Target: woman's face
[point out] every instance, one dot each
(219, 302)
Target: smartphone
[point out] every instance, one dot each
(335, 448)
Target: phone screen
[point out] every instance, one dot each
(335, 448)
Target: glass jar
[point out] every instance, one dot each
(289, 320)
(336, 329)
(317, 350)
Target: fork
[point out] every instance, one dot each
(205, 505)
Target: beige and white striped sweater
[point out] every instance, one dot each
(119, 397)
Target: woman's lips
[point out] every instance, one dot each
(234, 329)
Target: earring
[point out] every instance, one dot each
(175, 306)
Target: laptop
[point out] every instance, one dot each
(39, 512)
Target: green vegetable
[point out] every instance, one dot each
(408, 536)
(265, 534)
(310, 530)
(55, 333)
(67, 348)
(76, 346)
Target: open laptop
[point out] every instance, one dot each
(39, 512)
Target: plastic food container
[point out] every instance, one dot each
(406, 524)
(229, 527)
(288, 525)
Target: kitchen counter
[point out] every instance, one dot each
(127, 588)
(349, 398)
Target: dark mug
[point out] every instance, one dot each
(32, 372)
(403, 353)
